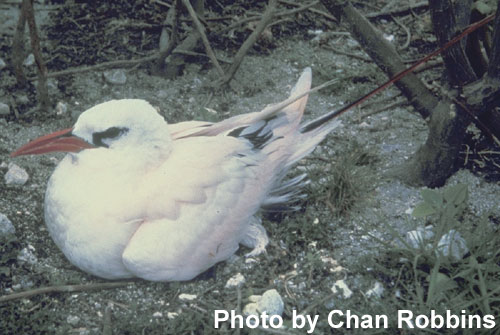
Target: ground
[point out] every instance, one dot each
(311, 249)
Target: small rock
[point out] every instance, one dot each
(235, 281)
(115, 77)
(187, 297)
(2, 64)
(377, 290)
(61, 108)
(4, 109)
(453, 245)
(340, 284)
(26, 255)
(419, 237)
(73, 320)
(388, 37)
(29, 61)
(16, 175)
(270, 302)
(6, 226)
(172, 315)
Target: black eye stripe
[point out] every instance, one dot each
(113, 132)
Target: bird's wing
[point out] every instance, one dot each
(199, 204)
(291, 108)
(187, 128)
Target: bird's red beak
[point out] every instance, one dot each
(61, 140)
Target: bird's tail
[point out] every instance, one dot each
(306, 137)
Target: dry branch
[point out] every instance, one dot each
(250, 41)
(399, 11)
(62, 289)
(173, 15)
(201, 31)
(42, 89)
(18, 49)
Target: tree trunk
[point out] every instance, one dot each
(435, 160)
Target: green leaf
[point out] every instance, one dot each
(442, 282)
(483, 8)
(423, 209)
(456, 194)
(432, 197)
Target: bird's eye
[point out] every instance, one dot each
(98, 138)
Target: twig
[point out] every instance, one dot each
(266, 19)
(349, 54)
(18, 49)
(204, 38)
(115, 63)
(42, 89)
(312, 10)
(384, 108)
(316, 304)
(62, 289)
(407, 31)
(173, 12)
(398, 11)
(259, 17)
(162, 3)
(107, 328)
(120, 63)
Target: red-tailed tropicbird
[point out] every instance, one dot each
(166, 202)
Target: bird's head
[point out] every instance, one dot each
(116, 124)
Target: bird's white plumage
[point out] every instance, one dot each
(166, 202)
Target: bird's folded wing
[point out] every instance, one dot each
(215, 191)
(293, 108)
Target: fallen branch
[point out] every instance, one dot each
(166, 50)
(399, 11)
(204, 38)
(63, 289)
(259, 17)
(250, 41)
(312, 10)
(18, 49)
(120, 63)
(41, 89)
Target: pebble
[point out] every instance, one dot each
(270, 302)
(29, 61)
(452, 245)
(341, 285)
(26, 255)
(2, 64)
(61, 108)
(73, 320)
(4, 109)
(235, 281)
(172, 315)
(16, 175)
(6, 226)
(115, 77)
(187, 297)
(376, 291)
(417, 238)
